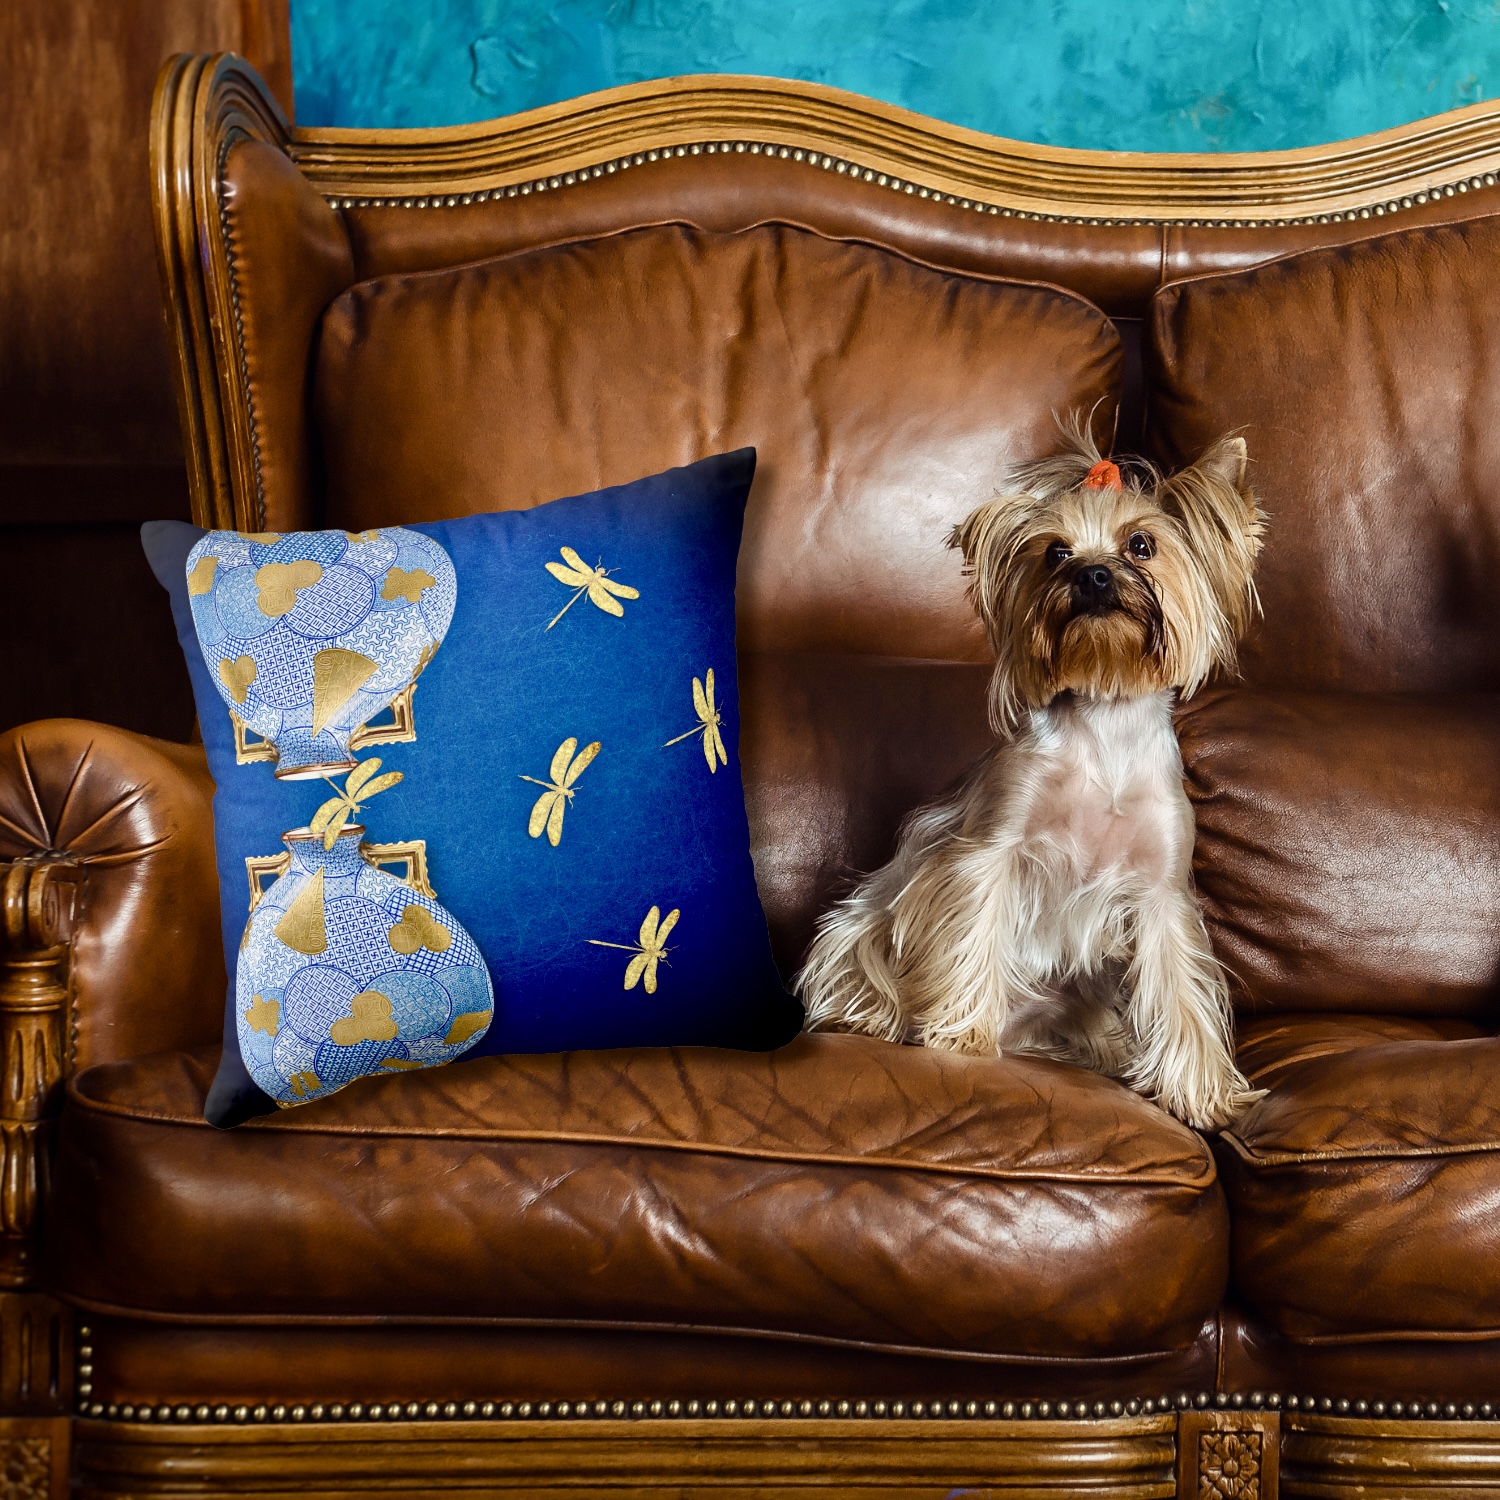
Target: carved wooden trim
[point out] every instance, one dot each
(1113, 1458)
(36, 1356)
(202, 107)
(1349, 1458)
(36, 910)
(1228, 1455)
(34, 1455)
(1208, 1447)
(828, 127)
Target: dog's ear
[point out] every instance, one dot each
(1223, 523)
(990, 537)
(1226, 461)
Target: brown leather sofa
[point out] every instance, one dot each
(846, 1266)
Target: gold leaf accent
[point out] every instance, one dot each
(401, 584)
(264, 1015)
(264, 538)
(364, 536)
(401, 730)
(412, 854)
(248, 752)
(547, 811)
(359, 786)
(338, 675)
(200, 577)
(278, 584)
(709, 719)
(305, 1083)
(400, 1063)
(301, 928)
(371, 1018)
(649, 951)
(237, 674)
(466, 1025)
(259, 867)
(603, 592)
(418, 928)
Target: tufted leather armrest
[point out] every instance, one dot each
(124, 825)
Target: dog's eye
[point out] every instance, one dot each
(1058, 553)
(1142, 545)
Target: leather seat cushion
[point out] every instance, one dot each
(841, 1189)
(885, 399)
(1348, 849)
(1362, 1187)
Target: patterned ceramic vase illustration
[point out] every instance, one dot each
(310, 635)
(346, 971)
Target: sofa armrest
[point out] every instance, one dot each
(123, 826)
(109, 931)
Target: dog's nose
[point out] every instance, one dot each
(1093, 584)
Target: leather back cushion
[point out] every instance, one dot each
(1366, 381)
(886, 399)
(1348, 850)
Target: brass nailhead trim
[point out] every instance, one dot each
(239, 337)
(847, 168)
(1079, 1411)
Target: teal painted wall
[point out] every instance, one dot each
(1149, 75)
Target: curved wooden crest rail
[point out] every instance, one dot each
(1212, 1444)
(952, 196)
(1376, 174)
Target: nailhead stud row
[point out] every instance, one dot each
(846, 168)
(397, 1411)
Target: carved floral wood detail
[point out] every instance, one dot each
(1229, 1465)
(25, 1468)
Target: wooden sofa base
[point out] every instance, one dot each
(1194, 1455)
(1131, 1456)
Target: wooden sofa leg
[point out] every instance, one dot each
(1228, 1455)
(37, 1377)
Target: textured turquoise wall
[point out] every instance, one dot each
(1150, 75)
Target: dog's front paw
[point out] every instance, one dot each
(1217, 1111)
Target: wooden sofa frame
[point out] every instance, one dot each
(1199, 1444)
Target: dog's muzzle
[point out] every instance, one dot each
(1094, 590)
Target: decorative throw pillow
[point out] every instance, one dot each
(569, 780)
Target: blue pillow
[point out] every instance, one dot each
(570, 776)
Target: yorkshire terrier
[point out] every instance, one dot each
(1046, 906)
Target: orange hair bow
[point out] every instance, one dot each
(1103, 476)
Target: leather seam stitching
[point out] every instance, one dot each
(775, 221)
(1196, 1185)
(347, 1320)
(1284, 1158)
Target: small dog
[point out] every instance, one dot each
(1046, 906)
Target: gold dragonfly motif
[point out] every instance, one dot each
(650, 951)
(566, 768)
(602, 590)
(709, 719)
(333, 817)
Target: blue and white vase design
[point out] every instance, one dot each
(310, 635)
(346, 971)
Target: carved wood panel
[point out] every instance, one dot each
(34, 1458)
(1228, 1455)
